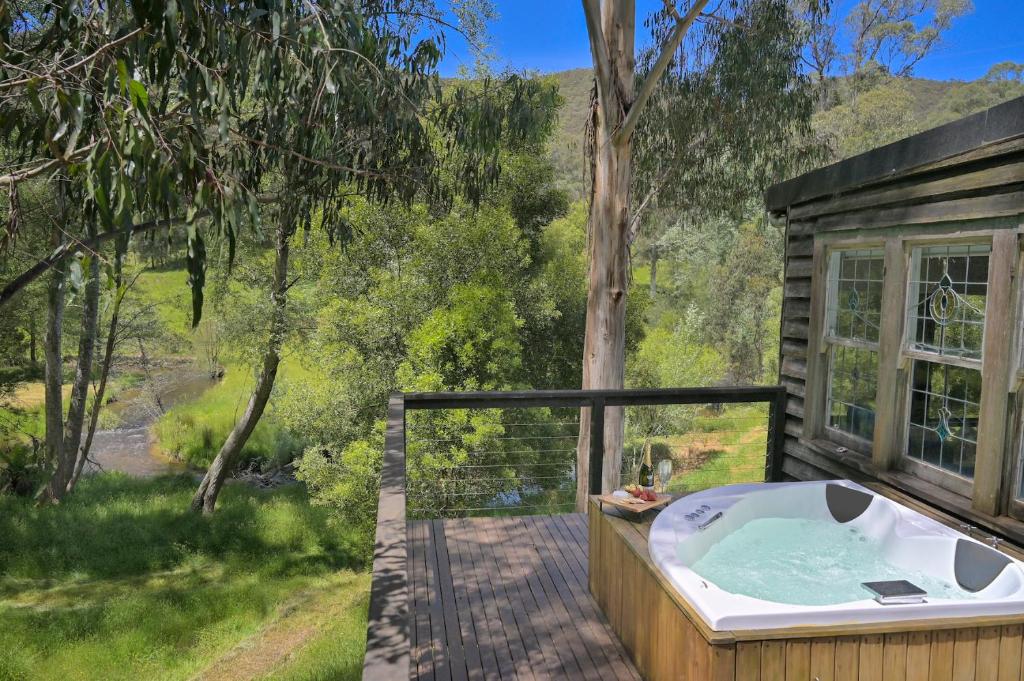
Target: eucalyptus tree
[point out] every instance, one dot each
(197, 114)
(720, 97)
(898, 34)
(874, 38)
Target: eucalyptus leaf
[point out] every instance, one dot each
(138, 92)
(195, 264)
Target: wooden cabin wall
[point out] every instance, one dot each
(986, 183)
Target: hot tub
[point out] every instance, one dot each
(789, 554)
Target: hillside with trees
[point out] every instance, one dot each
(892, 108)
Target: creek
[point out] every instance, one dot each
(130, 447)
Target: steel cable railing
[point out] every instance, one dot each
(510, 460)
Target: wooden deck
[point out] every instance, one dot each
(506, 598)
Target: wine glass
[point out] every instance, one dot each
(664, 473)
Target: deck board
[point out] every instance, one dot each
(504, 599)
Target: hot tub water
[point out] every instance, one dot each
(804, 561)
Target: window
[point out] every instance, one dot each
(945, 330)
(853, 312)
(944, 410)
(913, 325)
(948, 290)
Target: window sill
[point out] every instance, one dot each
(846, 456)
(955, 505)
(858, 467)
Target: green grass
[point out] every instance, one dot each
(642, 275)
(168, 293)
(22, 417)
(122, 582)
(732, 448)
(195, 431)
(336, 654)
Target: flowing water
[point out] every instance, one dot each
(806, 562)
(129, 447)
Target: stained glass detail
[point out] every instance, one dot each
(948, 290)
(944, 411)
(855, 294)
(854, 306)
(942, 429)
(853, 382)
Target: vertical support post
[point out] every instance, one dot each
(776, 436)
(892, 380)
(815, 396)
(596, 444)
(387, 631)
(997, 372)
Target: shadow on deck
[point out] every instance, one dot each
(506, 598)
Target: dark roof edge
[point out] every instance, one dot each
(1001, 122)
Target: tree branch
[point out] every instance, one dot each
(633, 229)
(602, 61)
(651, 81)
(76, 245)
(634, 222)
(20, 176)
(8, 84)
(71, 247)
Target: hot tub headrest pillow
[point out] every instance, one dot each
(844, 503)
(976, 566)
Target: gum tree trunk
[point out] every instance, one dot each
(611, 26)
(33, 357)
(108, 354)
(54, 371)
(205, 498)
(654, 273)
(65, 467)
(604, 342)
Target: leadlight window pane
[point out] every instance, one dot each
(853, 306)
(948, 291)
(944, 410)
(855, 294)
(853, 382)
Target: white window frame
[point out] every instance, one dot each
(829, 340)
(1001, 423)
(943, 477)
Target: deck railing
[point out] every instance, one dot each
(456, 454)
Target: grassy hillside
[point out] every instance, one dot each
(566, 145)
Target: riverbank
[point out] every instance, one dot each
(193, 431)
(136, 397)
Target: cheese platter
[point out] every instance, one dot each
(634, 504)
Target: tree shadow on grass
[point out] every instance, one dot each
(119, 527)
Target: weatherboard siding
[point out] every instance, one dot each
(982, 189)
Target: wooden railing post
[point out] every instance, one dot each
(596, 444)
(776, 436)
(387, 631)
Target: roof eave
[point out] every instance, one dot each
(1001, 122)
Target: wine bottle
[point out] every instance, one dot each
(647, 468)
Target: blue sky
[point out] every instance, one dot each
(549, 35)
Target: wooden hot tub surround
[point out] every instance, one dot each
(667, 639)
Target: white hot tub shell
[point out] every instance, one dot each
(908, 539)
